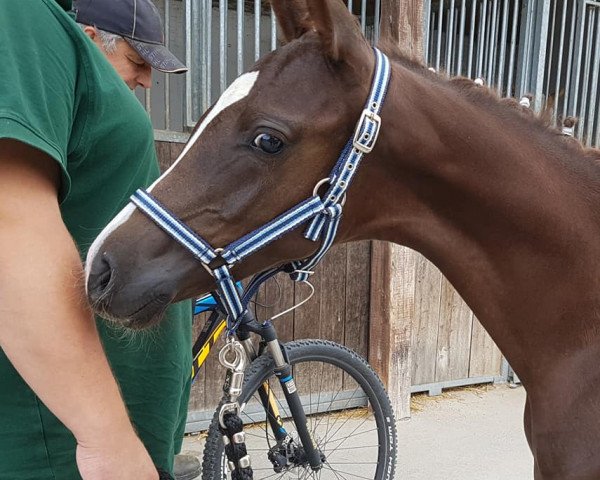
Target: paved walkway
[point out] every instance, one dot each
(466, 434)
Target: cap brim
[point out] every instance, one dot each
(158, 56)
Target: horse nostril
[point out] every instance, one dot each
(100, 276)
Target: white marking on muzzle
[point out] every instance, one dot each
(238, 90)
(119, 219)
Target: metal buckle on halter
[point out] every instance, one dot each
(363, 140)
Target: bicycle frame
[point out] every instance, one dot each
(214, 328)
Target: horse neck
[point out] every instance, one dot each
(486, 196)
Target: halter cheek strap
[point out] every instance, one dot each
(324, 213)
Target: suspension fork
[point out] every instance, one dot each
(267, 399)
(283, 371)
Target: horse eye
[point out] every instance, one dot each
(268, 143)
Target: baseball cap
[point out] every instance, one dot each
(138, 22)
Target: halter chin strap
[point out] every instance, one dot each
(324, 213)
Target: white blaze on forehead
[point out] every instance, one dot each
(238, 90)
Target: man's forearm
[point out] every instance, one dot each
(48, 331)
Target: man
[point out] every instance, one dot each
(133, 53)
(74, 143)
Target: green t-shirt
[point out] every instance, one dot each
(59, 94)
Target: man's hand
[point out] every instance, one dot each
(126, 460)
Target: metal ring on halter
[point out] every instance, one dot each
(322, 182)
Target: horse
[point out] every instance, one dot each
(502, 204)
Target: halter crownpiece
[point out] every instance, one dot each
(324, 213)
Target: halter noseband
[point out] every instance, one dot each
(324, 213)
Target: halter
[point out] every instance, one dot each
(324, 213)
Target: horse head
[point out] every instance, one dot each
(261, 149)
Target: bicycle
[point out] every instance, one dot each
(299, 432)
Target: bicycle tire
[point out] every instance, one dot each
(337, 356)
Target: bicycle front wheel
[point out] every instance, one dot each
(348, 412)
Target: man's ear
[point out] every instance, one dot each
(90, 32)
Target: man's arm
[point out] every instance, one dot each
(46, 327)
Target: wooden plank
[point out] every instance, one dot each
(454, 339)
(279, 296)
(198, 387)
(392, 303)
(176, 149)
(358, 278)
(333, 292)
(402, 21)
(163, 152)
(392, 309)
(426, 321)
(486, 358)
(306, 325)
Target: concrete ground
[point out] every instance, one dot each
(465, 434)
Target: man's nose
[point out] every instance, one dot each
(144, 78)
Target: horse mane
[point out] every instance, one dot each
(486, 97)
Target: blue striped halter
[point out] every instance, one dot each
(324, 213)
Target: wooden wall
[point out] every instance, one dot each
(447, 342)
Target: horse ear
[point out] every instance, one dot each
(338, 28)
(292, 16)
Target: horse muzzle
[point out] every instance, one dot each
(135, 305)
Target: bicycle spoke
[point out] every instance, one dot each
(335, 472)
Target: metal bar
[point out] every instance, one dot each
(526, 72)
(493, 45)
(591, 16)
(426, 30)
(189, 115)
(577, 76)
(223, 45)
(378, 22)
(594, 82)
(437, 387)
(574, 14)
(540, 55)
(513, 49)
(363, 16)
(461, 37)
(167, 33)
(503, 38)
(439, 35)
(455, 28)
(148, 101)
(273, 30)
(561, 48)
(482, 38)
(487, 43)
(472, 38)
(240, 36)
(172, 137)
(256, 30)
(449, 37)
(208, 54)
(548, 67)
